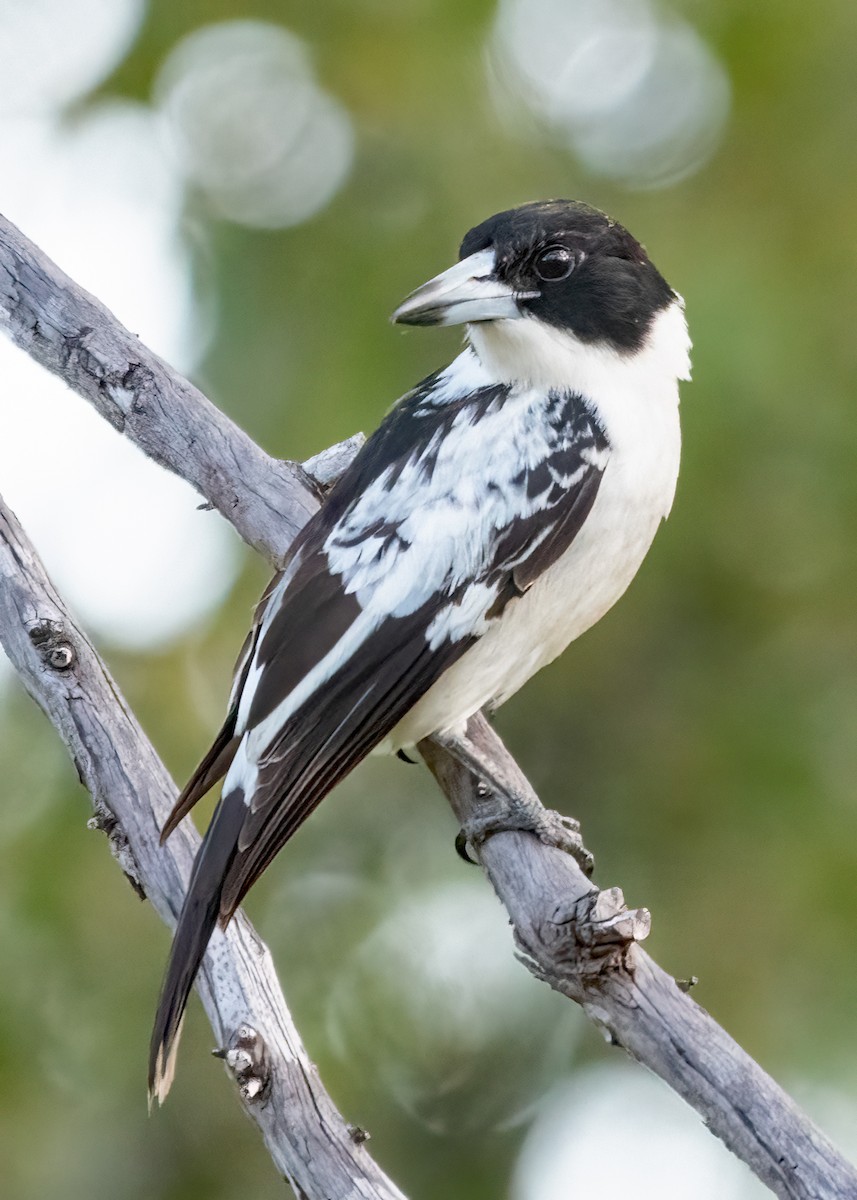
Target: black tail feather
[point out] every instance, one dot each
(198, 917)
(212, 769)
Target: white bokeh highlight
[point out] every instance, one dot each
(631, 89)
(434, 1011)
(616, 1131)
(52, 51)
(250, 126)
(123, 539)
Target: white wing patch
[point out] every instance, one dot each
(440, 527)
(457, 621)
(254, 674)
(263, 734)
(422, 528)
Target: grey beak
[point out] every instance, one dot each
(467, 292)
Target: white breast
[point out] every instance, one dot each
(636, 397)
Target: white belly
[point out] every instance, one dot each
(635, 495)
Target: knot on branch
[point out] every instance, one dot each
(610, 922)
(132, 393)
(104, 821)
(587, 939)
(53, 644)
(326, 468)
(247, 1059)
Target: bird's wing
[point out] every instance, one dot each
(220, 754)
(456, 505)
(467, 492)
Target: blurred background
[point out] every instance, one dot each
(252, 186)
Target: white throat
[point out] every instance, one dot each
(530, 352)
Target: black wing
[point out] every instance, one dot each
(218, 758)
(343, 650)
(366, 694)
(372, 689)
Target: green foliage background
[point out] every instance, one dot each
(704, 732)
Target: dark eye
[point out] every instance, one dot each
(554, 263)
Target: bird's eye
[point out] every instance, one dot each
(554, 263)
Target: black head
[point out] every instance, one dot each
(560, 261)
(575, 268)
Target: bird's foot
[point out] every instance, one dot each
(504, 807)
(517, 813)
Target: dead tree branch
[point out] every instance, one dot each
(132, 792)
(581, 941)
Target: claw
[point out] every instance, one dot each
(503, 808)
(461, 840)
(551, 828)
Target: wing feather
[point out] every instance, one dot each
(412, 558)
(220, 754)
(407, 564)
(322, 743)
(210, 771)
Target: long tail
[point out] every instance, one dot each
(198, 917)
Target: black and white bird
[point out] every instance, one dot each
(498, 512)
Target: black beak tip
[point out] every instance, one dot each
(415, 318)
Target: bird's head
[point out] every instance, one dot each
(557, 268)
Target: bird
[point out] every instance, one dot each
(502, 506)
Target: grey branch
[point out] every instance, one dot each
(581, 941)
(74, 336)
(132, 792)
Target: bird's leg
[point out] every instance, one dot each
(505, 807)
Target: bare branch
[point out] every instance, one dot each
(584, 944)
(325, 468)
(74, 336)
(582, 941)
(310, 1143)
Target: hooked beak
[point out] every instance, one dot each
(467, 292)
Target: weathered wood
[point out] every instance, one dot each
(584, 943)
(74, 336)
(132, 792)
(581, 941)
